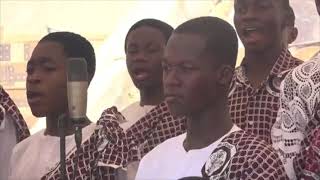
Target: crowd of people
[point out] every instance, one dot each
(198, 117)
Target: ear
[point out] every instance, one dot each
(293, 35)
(224, 75)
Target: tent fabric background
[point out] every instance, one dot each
(105, 24)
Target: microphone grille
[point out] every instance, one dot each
(77, 69)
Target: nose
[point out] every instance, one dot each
(171, 78)
(139, 56)
(33, 77)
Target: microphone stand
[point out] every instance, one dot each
(78, 140)
(62, 133)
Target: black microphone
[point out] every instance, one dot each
(77, 86)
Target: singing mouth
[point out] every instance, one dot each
(33, 96)
(172, 97)
(140, 73)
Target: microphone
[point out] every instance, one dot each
(77, 86)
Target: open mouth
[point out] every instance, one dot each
(172, 97)
(140, 74)
(34, 97)
(252, 33)
(248, 30)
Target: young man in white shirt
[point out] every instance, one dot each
(199, 63)
(38, 156)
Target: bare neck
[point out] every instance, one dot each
(53, 129)
(151, 96)
(259, 64)
(207, 126)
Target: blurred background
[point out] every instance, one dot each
(105, 23)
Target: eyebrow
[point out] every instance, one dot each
(41, 60)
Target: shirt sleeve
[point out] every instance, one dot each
(265, 165)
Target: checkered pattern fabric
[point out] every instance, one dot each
(8, 107)
(255, 110)
(156, 127)
(110, 148)
(307, 163)
(243, 156)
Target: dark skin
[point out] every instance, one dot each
(144, 53)
(47, 86)
(260, 25)
(195, 86)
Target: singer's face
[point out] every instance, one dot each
(258, 23)
(189, 77)
(144, 52)
(46, 80)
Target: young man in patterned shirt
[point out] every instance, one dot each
(296, 133)
(199, 63)
(254, 91)
(146, 123)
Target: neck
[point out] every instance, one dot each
(52, 126)
(151, 96)
(259, 64)
(262, 58)
(208, 126)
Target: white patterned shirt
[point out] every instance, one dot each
(297, 116)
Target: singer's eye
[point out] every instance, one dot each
(29, 69)
(48, 67)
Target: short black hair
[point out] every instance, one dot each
(288, 13)
(163, 27)
(291, 17)
(74, 45)
(221, 37)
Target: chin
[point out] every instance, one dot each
(176, 111)
(139, 84)
(38, 112)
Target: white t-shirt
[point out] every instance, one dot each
(8, 140)
(37, 155)
(170, 161)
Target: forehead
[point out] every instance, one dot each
(145, 34)
(184, 46)
(48, 50)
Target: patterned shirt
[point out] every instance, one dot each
(255, 110)
(243, 156)
(8, 107)
(154, 128)
(111, 148)
(298, 115)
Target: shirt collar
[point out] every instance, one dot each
(284, 62)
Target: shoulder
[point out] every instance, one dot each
(253, 158)
(170, 145)
(22, 147)
(28, 141)
(130, 107)
(248, 145)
